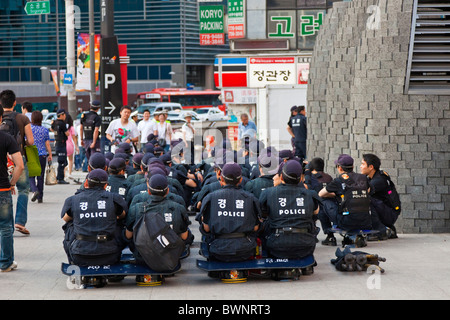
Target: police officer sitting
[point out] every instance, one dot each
(116, 179)
(230, 218)
(174, 213)
(351, 191)
(289, 208)
(89, 129)
(384, 201)
(316, 179)
(92, 233)
(267, 169)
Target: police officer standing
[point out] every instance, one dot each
(289, 208)
(89, 129)
(298, 130)
(93, 235)
(230, 218)
(62, 133)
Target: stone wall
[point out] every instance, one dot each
(356, 105)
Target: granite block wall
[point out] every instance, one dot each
(356, 105)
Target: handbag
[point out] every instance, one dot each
(50, 177)
(33, 163)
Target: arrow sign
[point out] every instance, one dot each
(110, 107)
(37, 7)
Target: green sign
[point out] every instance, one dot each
(211, 19)
(37, 7)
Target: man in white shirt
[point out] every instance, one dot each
(188, 138)
(145, 127)
(122, 130)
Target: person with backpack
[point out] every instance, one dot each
(175, 217)
(93, 232)
(18, 126)
(289, 208)
(351, 189)
(8, 145)
(90, 124)
(230, 219)
(384, 199)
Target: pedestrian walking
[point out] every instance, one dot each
(20, 128)
(42, 142)
(8, 145)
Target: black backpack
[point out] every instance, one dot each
(88, 122)
(10, 126)
(159, 246)
(355, 198)
(392, 198)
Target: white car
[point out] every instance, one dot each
(211, 114)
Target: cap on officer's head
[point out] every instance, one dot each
(285, 154)
(155, 170)
(126, 147)
(145, 159)
(149, 148)
(166, 158)
(116, 165)
(232, 173)
(344, 160)
(158, 184)
(109, 155)
(95, 104)
(97, 177)
(60, 112)
(137, 158)
(122, 155)
(97, 161)
(293, 108)
(292, 172)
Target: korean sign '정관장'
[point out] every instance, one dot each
(272, 70)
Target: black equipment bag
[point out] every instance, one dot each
(392, 198)
(159, 246)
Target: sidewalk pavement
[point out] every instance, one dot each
(417, 267)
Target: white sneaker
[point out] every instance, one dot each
(70, 177)
(11, 267)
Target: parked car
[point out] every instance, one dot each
(158, 106)
(211, 114)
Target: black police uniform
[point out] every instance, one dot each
(257, 185)
(173, 213)
(90, 121)
(117, 183)
(231, 214)
(93, 237)
(383, 213)
(329, 207)
(357, 215)
(60, 128)
(298, 125)
(290, 211)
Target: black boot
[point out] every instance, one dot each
(330, 240)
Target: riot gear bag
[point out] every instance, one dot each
(159, 246)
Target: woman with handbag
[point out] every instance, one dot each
(42, 142)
